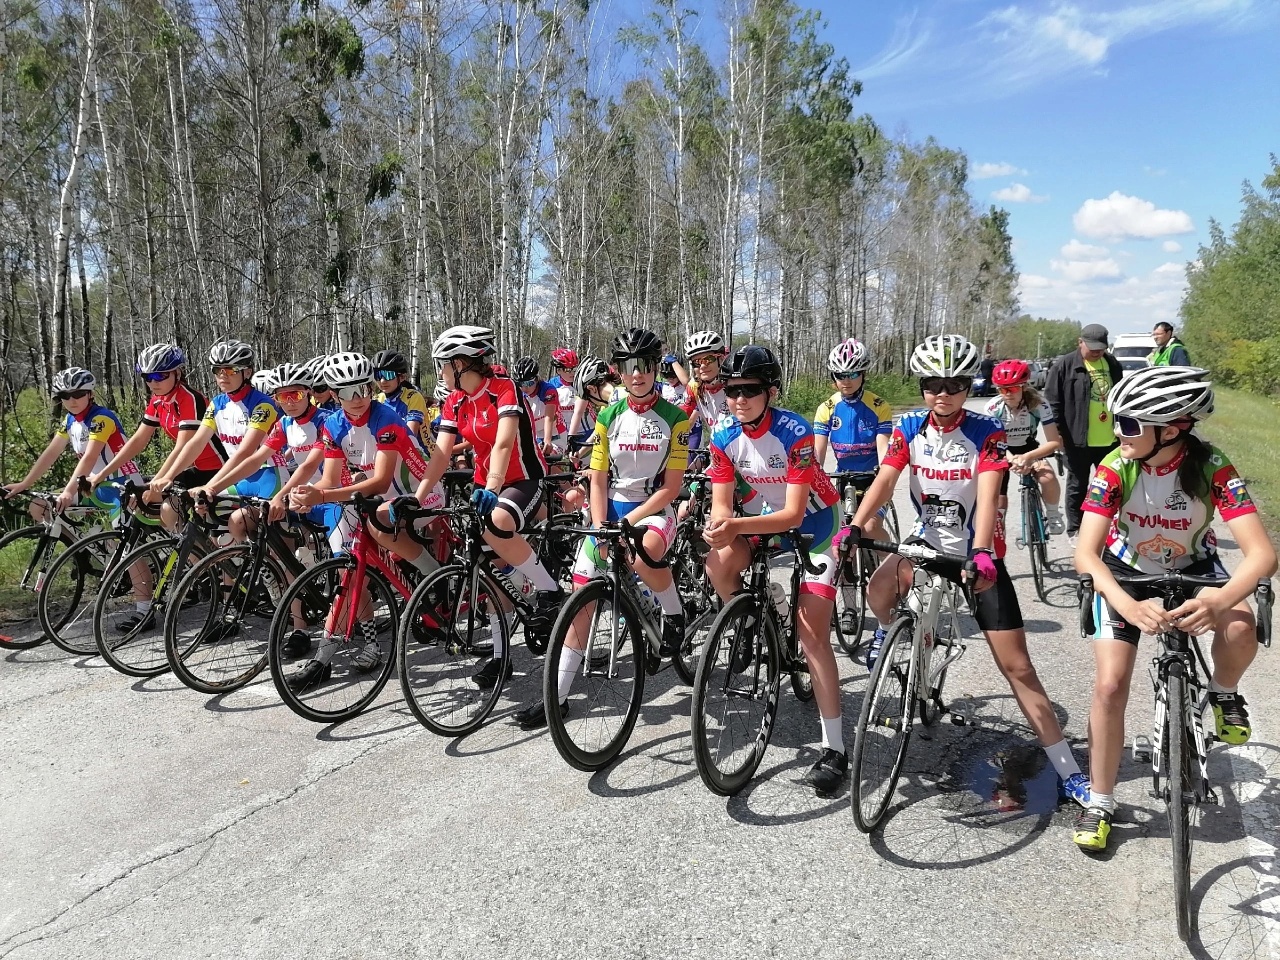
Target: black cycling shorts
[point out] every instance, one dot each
(521, 501)
(1109, 625)
(194, 477)
(997, 607)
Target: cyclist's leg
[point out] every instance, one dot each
(814, 606)
(1050, 494)
(725, 565)
(887, 586)
(502, 534)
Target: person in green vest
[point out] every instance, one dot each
(1169, 351)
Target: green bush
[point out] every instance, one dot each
(804, 394)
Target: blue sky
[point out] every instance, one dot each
(1112, 132)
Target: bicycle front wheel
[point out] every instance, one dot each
(451, 626)
(1033, 523)
(700, 603)
(849, 615)
(601, 682)
(884, 727)
(941, 655)
(130, 640)
(218, 626)
(735, 695)
(353, 635)
(25, 555)
(71, 590)
(1180, 780)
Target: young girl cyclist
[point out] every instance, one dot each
(637, 466)
(771, 450)
(544, 405)
(956, 459)
(1023, 412)
(1149, 509)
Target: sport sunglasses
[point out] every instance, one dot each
(386, 374)
(1129, 428)
(740, 391)
(228, 371)
(847, 375)
(74, 395)
(634, 365)
(157, 377)
(292, 395)
(948, 385)
(357, 391)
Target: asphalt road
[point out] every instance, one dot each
(144, 820)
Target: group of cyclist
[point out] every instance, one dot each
(311, 437)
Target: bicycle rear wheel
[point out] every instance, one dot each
(699, 598)
(1180, 777)
(451, 625)
(1033, 521)
(884, 727)
(25, 555)
(131, 642)
(71, 589)
(347, 683)
(603, 697)
(218, 626)
(735, 695)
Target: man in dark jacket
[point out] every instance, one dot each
(1077, 390)
(1169, 351)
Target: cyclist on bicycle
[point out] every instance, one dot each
(637, 466)
(391, 370)
(673, 391)
(593, 389)
(1149, 509)
(771, 450)
(564, 366)
(1022, 411)
(544, 405)
(486, 410)
(956, 459)
(705, 399)
(95, 436)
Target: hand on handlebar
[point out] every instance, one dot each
(276, 508)
(985, 564)
(1201, 613)
(719, 532)
(306, 496)
(1149, 616)
(484, 500)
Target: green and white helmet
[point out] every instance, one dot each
(948, 355)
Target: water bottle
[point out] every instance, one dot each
(850, 501)
(779, 597)
(305, 555)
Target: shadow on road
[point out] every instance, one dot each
(1237, 910)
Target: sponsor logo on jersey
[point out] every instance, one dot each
(639, 447)
(1155, 520)
(939, 473)
(650, 430)
(1160, 550)
(836, 422)
(1176, 501)
(262, 414)
(776, 461)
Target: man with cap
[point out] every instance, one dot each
(1169, 351)
(1076, 390)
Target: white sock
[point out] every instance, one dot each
(833, 733)
(1052, 510)
(670, 600)
(142, 606)
(570, 660)
(426, 562)
(328, 647)
(1214, 685)
(1064, 762)
(537, 573)
(1103, 801)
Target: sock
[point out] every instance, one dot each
(1103, 801)
(328, 647)
(833, 733)
(1214, 685)
(142, 606)
(1064, 762)
(537, 574)
(368, 632)
(570, 660)
(425, 562)
(1052, 510)
(670, 600)
(499, 641)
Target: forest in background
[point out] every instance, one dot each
(316, 176)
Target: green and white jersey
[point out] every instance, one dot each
(638, 442)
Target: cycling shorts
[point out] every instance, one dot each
(106, 497)
(1109, 625)
(995, 608)
(822, 527)
(589, 562)
(266, 483)
(520, 500)
(194, 477)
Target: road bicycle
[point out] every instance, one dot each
(849, 616)
(750, 645)
(1181, 733)
(688, 559)
(1034, 536)
(907, 680)
(218, 626)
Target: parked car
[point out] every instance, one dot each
(1039, 373)
(1132, 350)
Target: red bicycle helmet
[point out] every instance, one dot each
(564, 357)
(1011, 373)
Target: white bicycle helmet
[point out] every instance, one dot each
(464, 341)
(264, 381)
(231, 353)
(348, 370)
(948, 355)
(72, 379)
(1160, 395)
(160, 358)
(442, 392)
(294, 375)
(704, 341)
(590, 370)
(848, 356)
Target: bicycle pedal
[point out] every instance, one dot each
(1141, 749)
(961, 718)
(1210, 796)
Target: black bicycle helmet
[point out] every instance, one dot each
(754, 362)
(526, 368)
(391, 360)
(637, 342)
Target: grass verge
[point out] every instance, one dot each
(1244, 426)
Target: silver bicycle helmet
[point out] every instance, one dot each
(231, 353)
(72, 379)
(160, 358)
(704, 341)
(348, 370)
(948, 355)
(264, 381)
(294, 375)
(590, 370)
(1160, 395)
(464, 341)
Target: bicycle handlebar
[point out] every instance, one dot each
(925, 555)
(634, 535)
(1263, 596)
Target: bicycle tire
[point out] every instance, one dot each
(1034, 538)
(1180, 797)
(851, 640)
(884, 727)
(139, 651)
(801, 680)
(216, 634)
(20, 627)
(736, 645)
(320, 590)
(699, 599)
(891, 522)
(446, 631)
(595, 700)
(67, 616)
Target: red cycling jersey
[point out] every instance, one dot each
(182, 409)
(475, 416)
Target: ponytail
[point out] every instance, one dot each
(1191, 472)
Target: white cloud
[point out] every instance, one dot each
(985, 171)
(1171, 246)
(1125, 304)
(1018, 193)
(1086, 271)
(1075, 250)
(1119, 215)
(1170, 269)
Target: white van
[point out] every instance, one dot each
(1132, 350)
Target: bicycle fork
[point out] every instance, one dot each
(1192, 710)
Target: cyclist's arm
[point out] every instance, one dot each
(305, 470)
(877, 494)
(1052, 443)
(437, 465)
(681, 373)
(598, 492)
(549, 426)
(1149, 616)
(132, 447)
(92, 450)
(575, 422)
(1259, 559)
(985, 509)
(235, 470)
(821, 430)
(500, 457)
(820, 449)
(415, 413)
(42, 464)
(882, 445)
